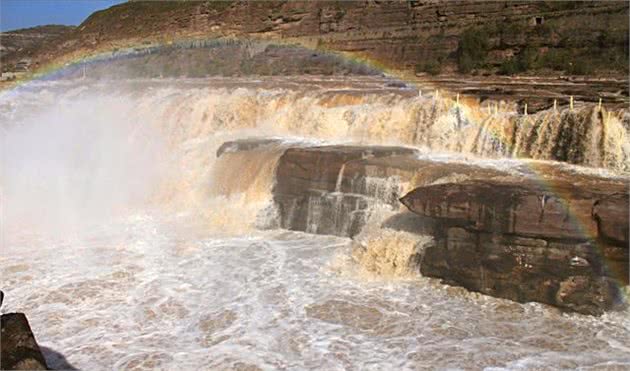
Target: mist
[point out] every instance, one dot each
(76, 161)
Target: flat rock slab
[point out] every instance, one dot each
(248, 144)
(19, 348)
(556, 210)
(320, 167)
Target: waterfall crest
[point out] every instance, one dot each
(161, 146)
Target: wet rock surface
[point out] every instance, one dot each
(529, 242)
(611, 215)
(335, 189)
(246, 145)
(325, 189)
(539, 93)
(19, 348)
(559, 210)
(537, 232)
(331, 189)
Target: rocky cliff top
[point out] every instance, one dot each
(26, 43)
(433, 37)
(423, 35)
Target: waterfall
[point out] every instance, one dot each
(155, 141)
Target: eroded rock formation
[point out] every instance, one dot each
(409, 35)
(539, 232)
(19, 348)
(419, 38)
(326, 190)
(526, 241)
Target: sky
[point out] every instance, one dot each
(16, 14)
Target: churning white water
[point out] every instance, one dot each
(129, 246)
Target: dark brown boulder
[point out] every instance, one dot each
(19, 348)
(332, 189)
(564, 245)
(572, 276)
(319, 167)
(587, 294)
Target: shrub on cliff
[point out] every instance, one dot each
(580, 67)
(431, 66)
(472, 50)
(555, 59)
(523, 61)
(509, 67)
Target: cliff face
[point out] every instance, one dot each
(26, 43)
(511, 36)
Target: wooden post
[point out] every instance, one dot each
(599, 105)
(496, 109)
(555, 104)
(525, 109)
(437, 94)
(571, 103)
(457, 99)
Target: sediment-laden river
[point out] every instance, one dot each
(129, 246)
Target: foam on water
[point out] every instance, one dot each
(149, 292)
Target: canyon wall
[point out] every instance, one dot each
(400, 34)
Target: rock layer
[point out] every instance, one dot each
(336, 189)
(333, 189)
(399, 33)
(326, 190)
(565, 245)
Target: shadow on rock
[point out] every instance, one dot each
(56, 360)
